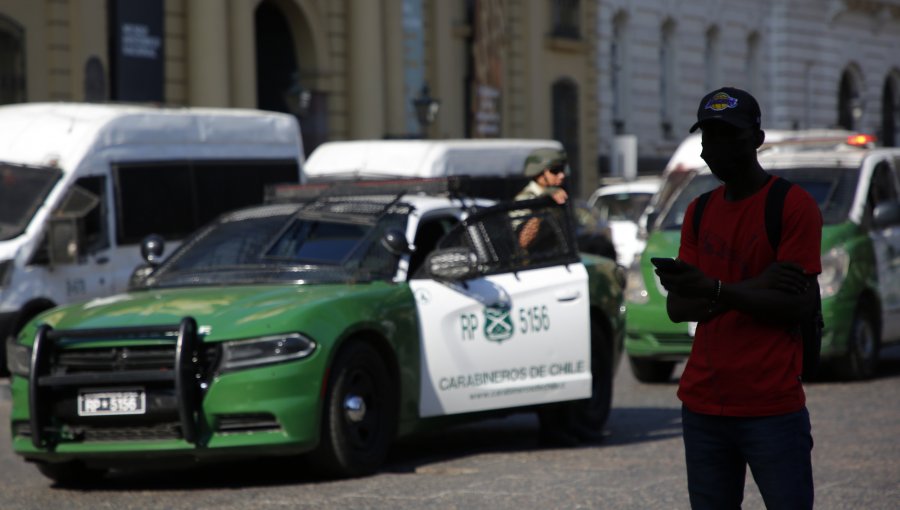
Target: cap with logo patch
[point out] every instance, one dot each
(727, 104)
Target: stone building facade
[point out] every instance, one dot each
(350, 69)
(581, 71)
(811, 64)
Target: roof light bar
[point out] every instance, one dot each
(860, 140)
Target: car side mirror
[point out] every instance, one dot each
(452, 264)
(65, 240)
(152, 248)
(886, 214)
(651, 221)
(394, 241)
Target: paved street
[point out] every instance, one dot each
(497, 465)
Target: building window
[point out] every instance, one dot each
(850, 102)
(711, 58)
(890, 111)
(667, 82)
(12, 62)
(619, 73)
(753, 62)
(565, 125)
(566, 18)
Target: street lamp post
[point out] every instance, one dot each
(297, 97)
(427, 109)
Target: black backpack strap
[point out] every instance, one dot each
(774, 211)
(698, 212)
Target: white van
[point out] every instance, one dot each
(424, 158)
(82, 184)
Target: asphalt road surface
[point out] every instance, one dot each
(497, 464)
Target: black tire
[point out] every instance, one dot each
(71, 473)
(359, 416)
(861, 358)
(651, 370)
(589, 416)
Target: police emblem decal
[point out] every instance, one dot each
(498, 324)
(720, 102)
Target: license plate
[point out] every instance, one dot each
(110, 403)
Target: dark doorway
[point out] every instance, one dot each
(276, 60)
(565, 127)
(12, 62)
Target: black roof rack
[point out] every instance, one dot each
(498, 188)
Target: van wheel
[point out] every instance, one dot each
(71, 473)
(589, 416)
(359, 416)
(651, 370)
(861, 358)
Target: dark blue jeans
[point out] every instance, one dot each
(778, 450)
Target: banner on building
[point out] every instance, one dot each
(488, 54)
(136, 50)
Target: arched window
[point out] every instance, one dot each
(565, 125)
(711, 56)
(667, 81)
(890, 110)
(12, 62)
(619, 73)
(753, 67)
(850, 102)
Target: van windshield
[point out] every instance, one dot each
(832, 188)
(22, 191)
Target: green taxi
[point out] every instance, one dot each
(858, 191)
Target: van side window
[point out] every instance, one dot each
(174, 199)
(96, 224)
(882, 189)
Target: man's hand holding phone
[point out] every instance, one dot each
(682, 278)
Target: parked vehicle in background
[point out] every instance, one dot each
(82, 184)
(505, 159)
(858, 191)
(326, 325)
(621, 205)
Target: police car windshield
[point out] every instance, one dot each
(279, 247)
(832, 188)
(22, 191)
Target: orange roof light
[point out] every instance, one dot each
(860, 140)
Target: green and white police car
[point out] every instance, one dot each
(858, 191)
(326, 327)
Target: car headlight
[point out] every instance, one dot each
(18, 359)
(265, 351)
(835, 265)
(635, 288)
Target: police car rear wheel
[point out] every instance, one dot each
(359, 415)
(590, 415)
(651, 371)
(861, 358)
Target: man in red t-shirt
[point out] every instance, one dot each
(743, 401)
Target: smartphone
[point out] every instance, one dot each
(665, 263)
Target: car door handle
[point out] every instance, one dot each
(568, 296)
(101, 260)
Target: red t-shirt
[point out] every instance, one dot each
(741, 366)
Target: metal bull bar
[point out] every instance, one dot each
(184, 376)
